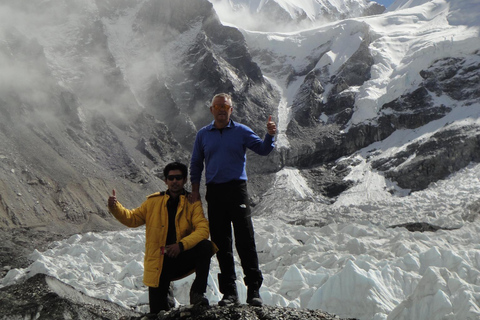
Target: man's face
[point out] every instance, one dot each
(223, 110)
(175, 181)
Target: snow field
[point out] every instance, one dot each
(355, 270)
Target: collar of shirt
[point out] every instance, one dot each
(184, 192)
(178, 198)
(230, 124)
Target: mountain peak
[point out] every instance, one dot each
(283, 15)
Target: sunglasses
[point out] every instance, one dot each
(172, 177)
(221, 106)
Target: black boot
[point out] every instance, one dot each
(198, 299)
(253, 295)
(160, 299)
(229, 299)
(229, 290)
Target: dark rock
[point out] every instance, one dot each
(308, 105)
(310, 99)
(374, 9)
(43, 297)
(413, 110)
(357, 68)
(420, 227)
(428, 161)
(328, 180)
(456, 77)
(340, 108)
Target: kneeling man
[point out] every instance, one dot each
(176, 239)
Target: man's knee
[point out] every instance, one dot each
(205, 248)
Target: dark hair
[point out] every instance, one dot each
(175, 166)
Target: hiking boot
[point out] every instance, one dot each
(253, 297)
(198, 299)
(228, 287)
(228, 300)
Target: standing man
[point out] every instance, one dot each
(176, 239)
(222, 146)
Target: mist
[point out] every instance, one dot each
(76, 79)
(57, 46)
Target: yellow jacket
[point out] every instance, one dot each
(190, 224)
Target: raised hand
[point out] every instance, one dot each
(271, 126)
(112, 200)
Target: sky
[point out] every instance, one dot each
(345, 260)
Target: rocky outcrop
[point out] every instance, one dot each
(217, 52)
(454, 77)
(242, 312)
(320, 116)
(328, 180)
(424, 162)
(413, 110)
(420, 227)
(450, 148)
(44, 297)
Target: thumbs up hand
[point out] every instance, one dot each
(271, 126)
(112, 200)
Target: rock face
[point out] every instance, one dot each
(103, 111)
(321, 136)
(321, 117)
(451, 148)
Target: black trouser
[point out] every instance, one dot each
(227, 205)
(197, 258)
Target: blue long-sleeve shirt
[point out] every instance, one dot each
(224, 152)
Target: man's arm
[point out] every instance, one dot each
(131, 218)
(195, 194)
(259, 146)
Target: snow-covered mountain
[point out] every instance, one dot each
(378, 119)
(398, 91)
